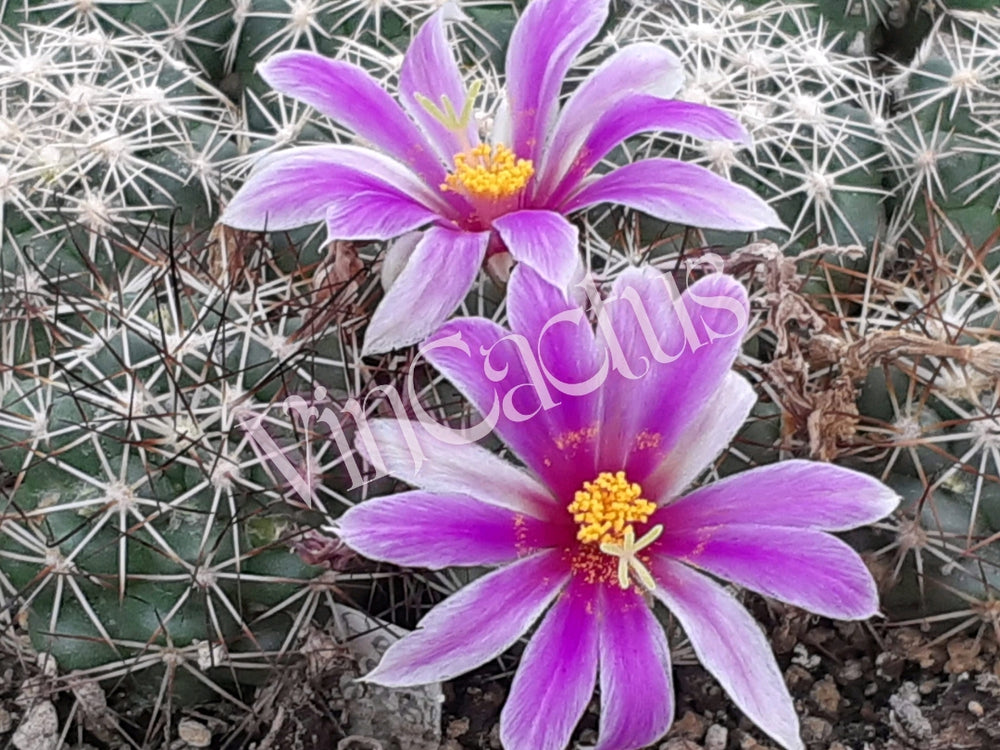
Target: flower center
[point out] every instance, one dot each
(489, 172)
(606, 508)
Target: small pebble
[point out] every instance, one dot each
(852, 670)
(908, 715)
(976, 709)
(679, 743)
(39, 729)
(749, 743)
(358, 742)
(815, 729)
(826, 696)
(908, 691)
(691, 726)
(716, 737)
(928, 686)
(194, 733)
(457, 728)
(797, 677)
(804, 658)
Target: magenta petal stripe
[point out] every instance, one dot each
(677, 351)
(804, 567)
(731, 646)
(640, 113)
(464, 468)
(366, 211)
(297, 186)
(675, 191)
(555, 680)
(429, 70)
(637, 696)
(562, 338)
(489, 369)
(795, 493)
(546, 39)
(554, 327)
(347, 94)
(425, 530)
(703, 440)
(643, 67)
(434, 281)
(544, 240)
(484, 362)
(474, 625)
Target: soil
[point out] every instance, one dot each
(856, 686)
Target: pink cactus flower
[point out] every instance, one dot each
(593, 531)
(429, 170)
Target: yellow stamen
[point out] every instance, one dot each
(485, 172)
(606, 508)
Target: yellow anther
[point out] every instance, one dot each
(627, 554)
(605, 507)
(489, 172)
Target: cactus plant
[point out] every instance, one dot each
(98, 128)
(815, 115)
(140, 526)
(144, 537)
(940, 160)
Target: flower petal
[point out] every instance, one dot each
(296, 187)
(643, 67)
(552, 430)
(555, 681)
(349, 95)
(544, 240)
(703, 439)
(671, 354)
(424, 530)
(429, 70)
(674, 191)
(637, 695)
(433, 283)
(804, 567)
(796, 494)
(483, 361)
(566, 355)
(545, 40)
(366, 211)
(396, 255)
(408, 452)
(475, 625)
(731, 646)
(641, 113)
(561, 336)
